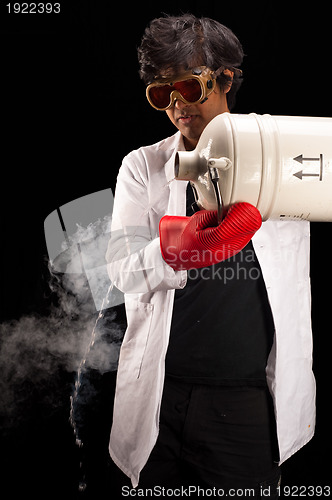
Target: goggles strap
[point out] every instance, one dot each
(220, 70)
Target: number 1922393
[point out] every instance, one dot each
(33, 8)
(304, 491)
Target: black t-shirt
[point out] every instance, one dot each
(222, 326)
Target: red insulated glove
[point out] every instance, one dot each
(197, 241)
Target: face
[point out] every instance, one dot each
(191, 119)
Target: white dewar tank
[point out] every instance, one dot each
(280, 164)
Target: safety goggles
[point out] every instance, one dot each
(191, 87)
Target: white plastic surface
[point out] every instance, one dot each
(280, 164)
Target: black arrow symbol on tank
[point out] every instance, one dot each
(301, 159)
(300, 174)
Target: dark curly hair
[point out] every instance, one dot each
(186, 42)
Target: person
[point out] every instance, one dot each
(215, 386)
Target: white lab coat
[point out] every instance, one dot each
(145, 191)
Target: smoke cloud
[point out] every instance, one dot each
(73, 338)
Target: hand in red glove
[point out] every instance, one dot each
(198, 241)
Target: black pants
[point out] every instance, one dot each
(213, 440)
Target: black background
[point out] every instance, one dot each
(72, 105)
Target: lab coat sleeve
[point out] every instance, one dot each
(134, 260)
